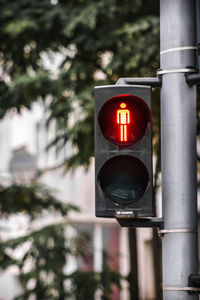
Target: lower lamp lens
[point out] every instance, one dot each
(123, 179)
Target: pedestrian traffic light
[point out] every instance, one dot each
(123, 151)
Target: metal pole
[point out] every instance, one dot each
(178, 147)
(198, 26)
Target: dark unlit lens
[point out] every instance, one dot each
(123, 179)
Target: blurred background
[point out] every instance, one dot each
(52, 54)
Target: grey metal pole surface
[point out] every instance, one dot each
(198, 25)
(178, 148)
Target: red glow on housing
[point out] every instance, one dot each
(123, 119)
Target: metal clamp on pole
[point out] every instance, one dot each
(183, 48)
(186, 288)
(192, 74)
(177, 230)
(170, 71)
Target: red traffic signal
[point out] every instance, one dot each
(123, 151)
(124, 119)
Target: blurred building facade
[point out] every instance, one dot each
(24, 155)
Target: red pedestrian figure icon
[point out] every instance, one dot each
(123, 118)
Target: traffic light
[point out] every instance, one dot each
(123, 151)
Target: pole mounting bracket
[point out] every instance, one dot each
(192, 78)
(194, 283)
(141, 222)
(148, 81)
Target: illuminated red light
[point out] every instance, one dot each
(124, 119)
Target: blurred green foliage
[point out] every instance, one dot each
(31, 200)
(45, 251)
(98, 42)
